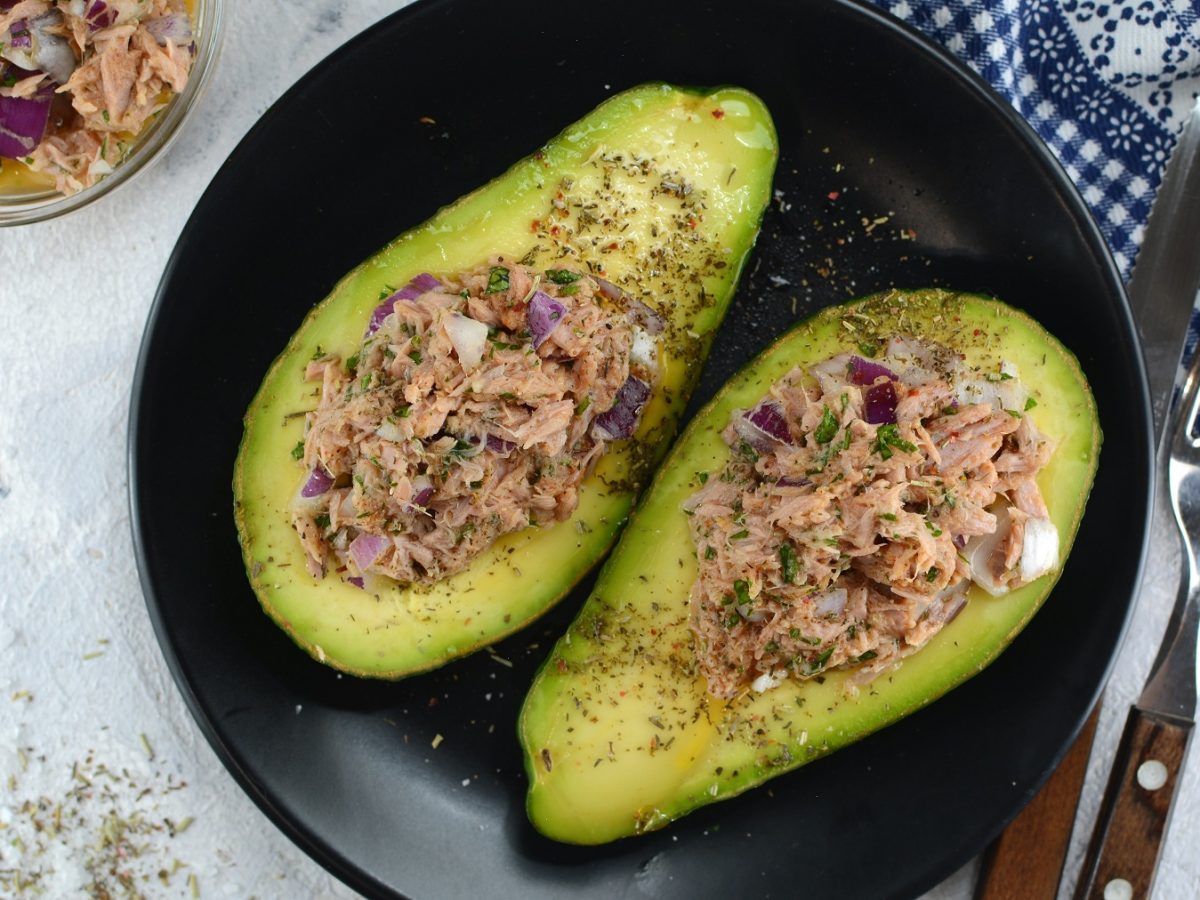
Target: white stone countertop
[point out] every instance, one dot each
(86, 700)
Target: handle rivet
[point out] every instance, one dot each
(1152, 775)
(1118, 889)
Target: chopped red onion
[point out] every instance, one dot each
(422, 491)
(23, 123)
(768, 416)
(175, 27)
(357, 582)
(863, 371)
(422, 284)
(544, 315)
(763, 427)
(366, 548)
(37, 46)
(469, 338)
(960, 541)
(953, 607)
(618, 422)
(608, 289)
(99, 15)
(831, 602)
(879, 404)
(319, 481)
(19, 32)
(646, 316)
(499, 445)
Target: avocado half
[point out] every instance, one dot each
(619, 732)
(659, 190)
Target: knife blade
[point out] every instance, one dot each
(1135, 811)
(1162, 291)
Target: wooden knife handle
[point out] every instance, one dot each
(1026, 861)
(1136, 808)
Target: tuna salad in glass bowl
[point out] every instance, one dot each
(91, 91)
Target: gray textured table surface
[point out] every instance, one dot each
(96, 746)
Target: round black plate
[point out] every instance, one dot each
(875, 124)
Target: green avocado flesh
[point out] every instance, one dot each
(659, 190)
(619, 731)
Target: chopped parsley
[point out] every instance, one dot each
(741, 587)
(582, 406)
(403, 411)
(562, 276)
(737, 536)
(933, 529)
(497, 280)
(827, 428)
(891, 517)
(322, 521)
(870, 654)
(932, 574)
(415, 356)
(788, 563)
(710, 553)
(1030, 403)
(867, 349)
(351, 363)
(298, 450)
(888, 437)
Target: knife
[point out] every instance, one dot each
(1135, 811)
(1027, 860)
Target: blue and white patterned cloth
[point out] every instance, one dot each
(1107, 85)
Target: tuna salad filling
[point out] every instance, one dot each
(861, 500)
(80, 78)
(475, 406)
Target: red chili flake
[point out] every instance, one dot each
(613, 246)
(535, 225)
(833, 195)
(718, 113)
(562, 665)
(691, 221)
(977, 332)
(554, 230)
(654, 631)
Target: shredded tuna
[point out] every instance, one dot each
(122, 76)
(442, 457)
(838, 543)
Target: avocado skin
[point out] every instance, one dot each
(619, 733)
(723, 142)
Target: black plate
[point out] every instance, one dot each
(869, 114)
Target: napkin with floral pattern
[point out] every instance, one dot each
(1107, 85)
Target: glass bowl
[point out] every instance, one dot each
(38, 204)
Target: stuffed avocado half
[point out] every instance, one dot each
(623, 732)
(654, 199)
